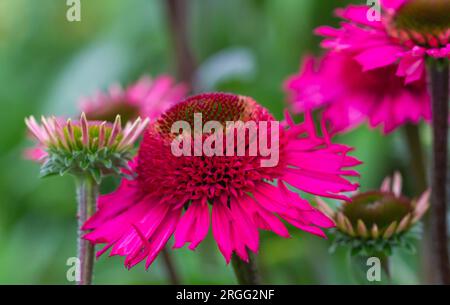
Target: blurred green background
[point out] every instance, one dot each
(244, 46)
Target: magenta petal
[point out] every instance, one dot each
(148, 224)
(392, 4)
(221, 226)
(327, 31)
(263, 218)
(319, 184)
(162, 235)
(378, 57)
(412, 68)
(111, 230)
(358, 14)
(110, 205)
(307, 228)
(193, 226)
(233, 230)
(246, 232)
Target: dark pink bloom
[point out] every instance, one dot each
(350, 96)
(185, 196)
(407, 32)
(147, 98)
(375, 70)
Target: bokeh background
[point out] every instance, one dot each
(243, 46)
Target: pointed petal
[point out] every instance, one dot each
(422, 205)
(397, 184)
(349, 226)
(386, 185)
(390, 230)
(362, 229)
(221, 226)
(374, 231)
(193, 226)
(116, 129)
(404, 223)
(324, 207)
(84, 130)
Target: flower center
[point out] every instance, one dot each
(221, 107)
(109, 112)
(426, 22)
(377, 208)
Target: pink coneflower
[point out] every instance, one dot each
(179, 195)
(147, 98)
(408, 32)
(375, 70)
(349, 96)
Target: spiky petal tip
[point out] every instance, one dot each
(80, 147)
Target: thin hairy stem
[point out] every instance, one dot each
(246, 272)
(87, 193)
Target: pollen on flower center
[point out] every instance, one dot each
(426, 22)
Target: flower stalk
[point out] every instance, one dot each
(386, 266)
(358, 269)
(439, 88)
(413, 140)
(418, 165)
(170, 267)
(87, 193)
(246, 272)
(177, 11)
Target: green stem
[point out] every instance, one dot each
(87, 192)
(246, 272)
(439, 84)
(386, 266)
(178, 13)
(170, 267)
(418, 165)
(412, 134)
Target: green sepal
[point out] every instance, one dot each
(360, 246)
(96, 175)
(95, 164)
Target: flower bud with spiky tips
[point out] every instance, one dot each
(407, 33)
(376, 221)
(85, 147)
